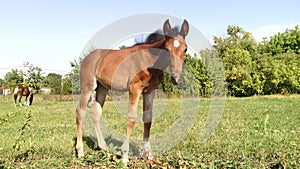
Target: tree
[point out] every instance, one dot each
(213, 76)
(167, 86)
(33, 76)
(195, 77)
(280, 62)
(73, 76)
(288, 41)
(194, 80)
(54, 81)
(30, 76)
(281, 73)
(238, 52)
(2, 82)
(13, 79)
(236, 38)
(67, 86)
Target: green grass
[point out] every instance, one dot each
(257, 132)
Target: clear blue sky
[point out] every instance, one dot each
(50, 34)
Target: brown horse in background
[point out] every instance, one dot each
(23, 91)
(138, 69)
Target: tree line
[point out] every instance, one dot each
(33, 76)
(237, 61)
(249, 67)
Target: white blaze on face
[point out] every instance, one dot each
(176, 43)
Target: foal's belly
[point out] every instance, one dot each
(117, 83)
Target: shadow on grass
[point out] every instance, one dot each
(113, 144)
(24, 156)
(277, 166)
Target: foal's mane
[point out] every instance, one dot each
(157, 36)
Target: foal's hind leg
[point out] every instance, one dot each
(80, 115)
(97, 113)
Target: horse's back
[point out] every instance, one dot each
(88, 67)
(114, 68)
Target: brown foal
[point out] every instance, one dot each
(137, 69)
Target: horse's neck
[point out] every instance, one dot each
(162, 61)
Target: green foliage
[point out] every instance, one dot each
(281, 73)
(24, 139)
(123, 47)
(2, 82)
(238, 53)
(13, 79)
(67, 86)
(195, 77)
(166, 85)
(73, 76)
(213, 73)
(22, 147)
(271, 67)
(31, 76)
(286, 42)
(238, 66)
(194, 80)
(237, 39)
(8, 116)
(54, 81)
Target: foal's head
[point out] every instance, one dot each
(176, 46)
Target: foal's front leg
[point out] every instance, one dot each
(134, 94)
(147, 119)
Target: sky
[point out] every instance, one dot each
(50, 34)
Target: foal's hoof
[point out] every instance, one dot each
(147, 155)
(103, 147)
(80, 154)
(125, 160)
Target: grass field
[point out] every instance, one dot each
(256, 132)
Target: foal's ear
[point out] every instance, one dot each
(184, 28)
(167, 27)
